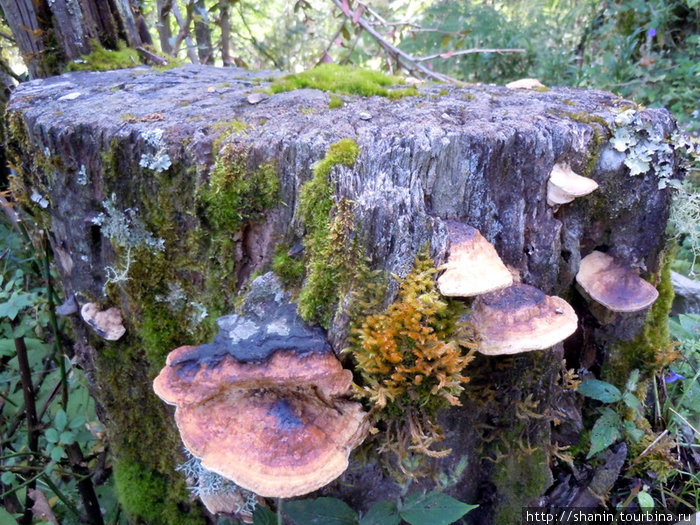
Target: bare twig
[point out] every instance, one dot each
(152, 57)
(404, 59)
(30, 411)
(450, 54)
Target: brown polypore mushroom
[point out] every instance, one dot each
(276, 443)
(262, 405)
(473, 266)
(614, 285)
(521, 318)
(564, 185)
(107, 323)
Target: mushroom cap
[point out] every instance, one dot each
(276, 443)
(614, 285)
(521, 318)
(564, 185)
(525, 83)
(183, 382)
(107, 323)
(473, 265)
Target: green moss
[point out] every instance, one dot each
(469, 96)
(289, 269)
(102, 59)
(643, 351)
(335, 102)
(396, 94)
(143, 494)
(235, 194)
(541, 89)
(347, 80)
(227, 128)
(520, 477)
(327, 238)
(600, 136)
(443, 92)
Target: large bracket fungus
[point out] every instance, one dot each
(614, 285)
(521, 318)
(473, 266)
(262, 404)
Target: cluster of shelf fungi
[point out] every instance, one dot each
(293, 428)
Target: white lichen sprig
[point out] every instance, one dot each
(684, 221)
(125, 230)
(160, 160)
(201, 481)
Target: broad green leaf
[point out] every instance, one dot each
(633, 431)
(60, 420)
(67, 438)
(16, 302)
(381, 513)
(434, 508)
(605, 431)
(8, 478)
(679, 332)
(57, 453)
(691, 323)
(645, 500)
(6, 518)
(632, 402)
(264, 516)
(77, 422)
(600, 390)
(320, 511)
(51, 435)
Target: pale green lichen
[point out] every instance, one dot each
(160, 160)
(645, 146)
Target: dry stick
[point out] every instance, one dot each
(409, 62)
(152, 57)
(184, 32)
(330, 43)
(85, 486)
(30, 411)
(450, 54)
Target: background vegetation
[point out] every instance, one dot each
(53, 450)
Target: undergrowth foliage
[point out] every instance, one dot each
(411, 358)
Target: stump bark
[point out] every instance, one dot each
(116, 166)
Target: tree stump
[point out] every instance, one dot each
(118, 167)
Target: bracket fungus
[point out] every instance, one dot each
(473, 266)
(564, 185)
(614, 285)
(521, 318)
(107, 323)
(262, 405)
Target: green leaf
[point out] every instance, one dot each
(636, 434)
(8, 478)
(434, 508)
(60, 420)
(6, 518)
(632, 402)
(600, 390)
(645, 500)
(381, 513)
(67, 438)
(605, 431)
(17, 301)
(320, 511)
(57, 453)
(51, 435)
(77, 422)
(264, 516)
